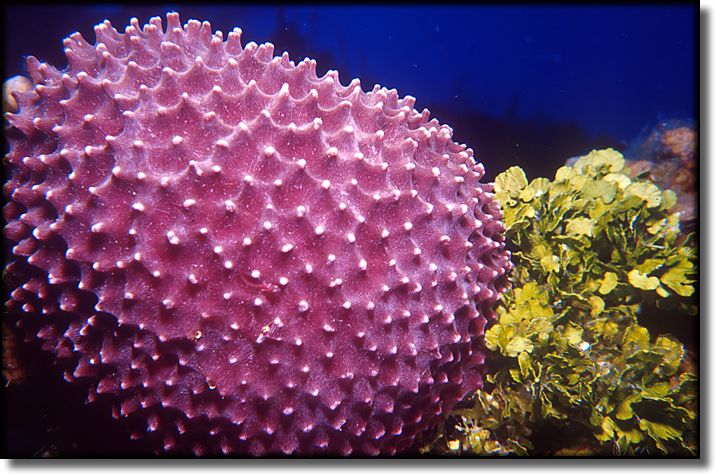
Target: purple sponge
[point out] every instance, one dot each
(246, 257)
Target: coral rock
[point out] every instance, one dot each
(667, 154)
(244, 256)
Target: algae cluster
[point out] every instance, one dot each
(573, 370)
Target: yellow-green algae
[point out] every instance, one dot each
(591, 249)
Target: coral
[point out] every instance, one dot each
(244, 257)
(681, 142)
(667, 140)
(667, 156)
(593, 250)
(12, 367)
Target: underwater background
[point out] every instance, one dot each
(524, 86)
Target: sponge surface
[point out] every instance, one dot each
(245, 256)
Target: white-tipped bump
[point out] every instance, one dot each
(172, 237)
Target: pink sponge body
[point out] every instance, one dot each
(243, 256)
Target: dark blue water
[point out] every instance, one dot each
(521, 85)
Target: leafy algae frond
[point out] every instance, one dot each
(592, 250)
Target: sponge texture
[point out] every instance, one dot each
(244, 256)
